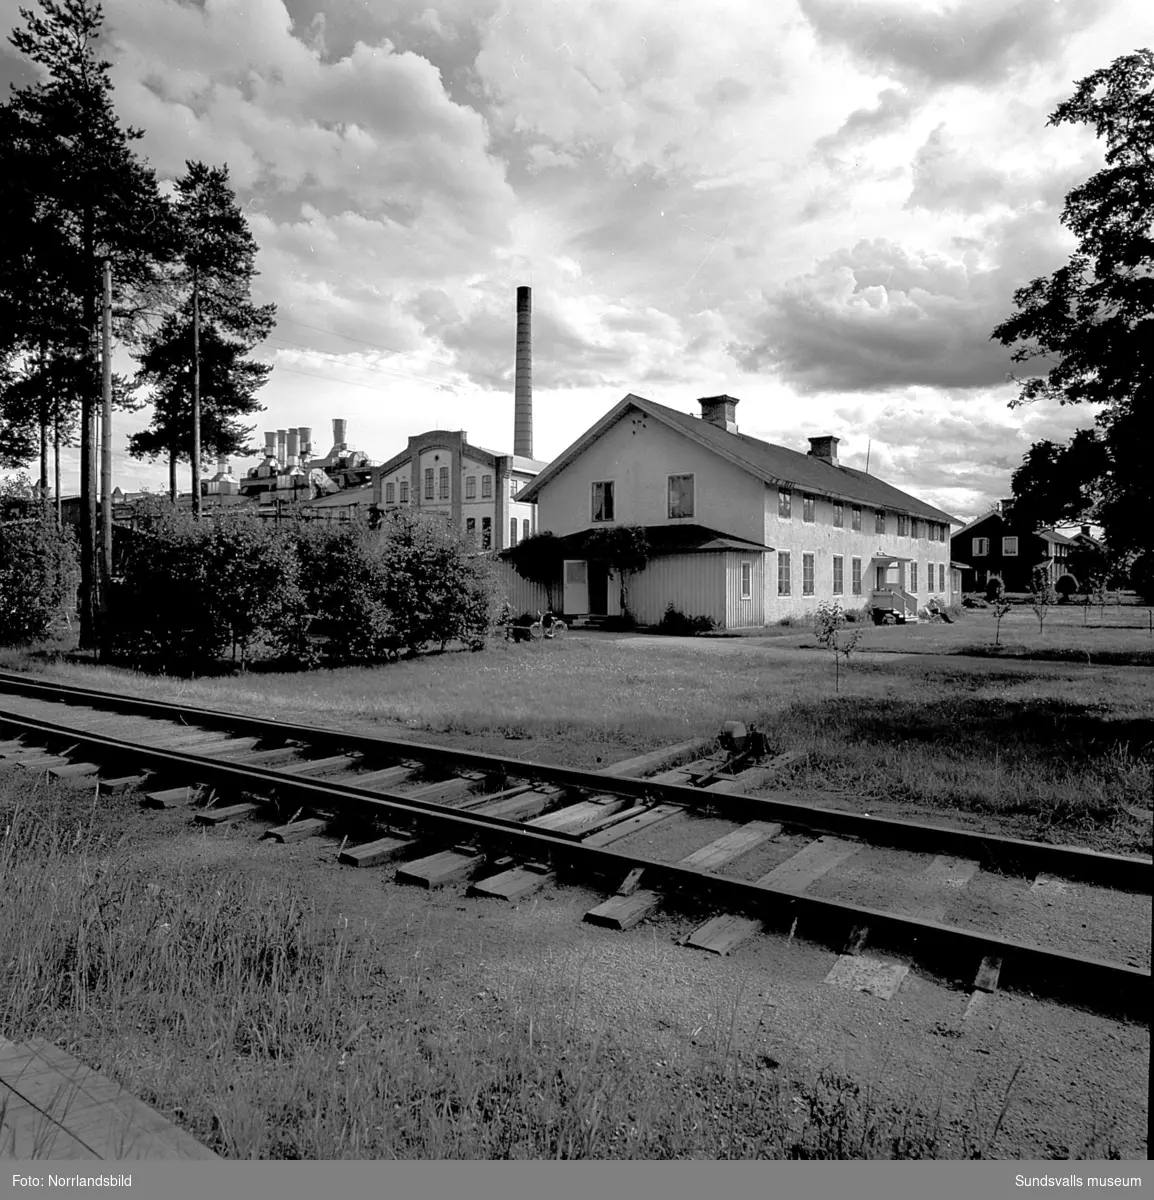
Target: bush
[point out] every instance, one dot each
(39, 567)
(1067, 587)
(995, 589)
(675, 623)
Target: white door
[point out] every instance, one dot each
(576, 592)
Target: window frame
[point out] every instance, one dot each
(486, 487)
(444, 486)
(980, 547)
(855, 518)
(608, 492)
(430, 483)
(941, 579)
(784, 506)
(746, 578)
(512, 531)
(404, 491)
(390, 492)
(855, 576)
(486, 533)
(838, 514)
(470, 487)
(913, 578)
(471, 530)
(1006, 551)
(524, 528)
(808, 509)
(784, 573)
(880, 521)
(681, 516)
(808, 560)
(903, 525)
(839, 575)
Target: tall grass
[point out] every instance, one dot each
(267, 1025)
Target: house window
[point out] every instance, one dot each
(808, 509)
(942, 578)
(981, 547)
(903, 525)
(838, 514)
(838, 579)
(880, 521)
(471, 529)
(930, 578)
(807, 574)
(784, 507)
(1010, 547)
(444, 482)
(524, 529)
(680, 496)
(603, 500)
(390, 493)
(512, 531)
(855, 575)
(914, 577)
(486, 487)
(747, 580)
(470, 487)
(855, 518)
(404, 491)
(783, 573)
(915, 528)
(428, 483)
(486, 533)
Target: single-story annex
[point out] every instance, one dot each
(739, 530)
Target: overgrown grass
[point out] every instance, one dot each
(267, 1025)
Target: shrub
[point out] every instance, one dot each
(995, 589)
(1042, 595)
(539, 558)
(1067, 587)
(39, 566)
(675, 623)
(829, 628)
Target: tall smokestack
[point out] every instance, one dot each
(270, 444)
(306, 444)
(339, 428)
(281, 446)
(523, 386)
(294, 448)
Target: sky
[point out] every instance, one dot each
(820, 207)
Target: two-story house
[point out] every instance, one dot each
(478, 490)
(739, 529)
(1000, 544)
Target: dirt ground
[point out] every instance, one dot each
(1076, 1083)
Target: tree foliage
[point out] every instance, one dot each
(539, 559)
(1057, 484)
(1092, 320)
(38, 566)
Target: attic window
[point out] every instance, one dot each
(602, 500)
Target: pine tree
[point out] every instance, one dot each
(84, 196)
(195, 360)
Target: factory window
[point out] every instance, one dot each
(855, 575)
(486, 487)
(838, 514)
(783, 573)
(471, 529)
(602, 500)
(680, 496)
(486, 532)
(1010, 547)
(390, 493)
(470, 487)
(428, 483)
(913, 577)
(880, 521)
(808, 509)
(784, 508)
(807, 574)
(524, 529)
(514, 485)
(512, 531)
(903, 525)
(443, 490)
(404, 491)
(942, 578)
(838, 575)
(747, 580)
(855, 517)
(981, 546)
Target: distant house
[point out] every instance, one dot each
(740, 530)
(999, 544)
(480, 491)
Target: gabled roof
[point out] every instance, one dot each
(1052, 535)
(773, 464)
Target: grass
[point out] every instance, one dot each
(267, 1024)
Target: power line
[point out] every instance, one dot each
(333, 333)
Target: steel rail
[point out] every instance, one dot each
(953, 952)
(1014, 856)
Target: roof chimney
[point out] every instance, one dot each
(824, 448)
(340, 428)
(523, 381)
(1006, 506)
(719, 411)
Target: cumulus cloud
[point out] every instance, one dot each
(978, 42)
(892, 112)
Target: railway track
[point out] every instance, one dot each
(508, 828)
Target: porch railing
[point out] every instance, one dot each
(895, 600)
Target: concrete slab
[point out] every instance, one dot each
(858, 973)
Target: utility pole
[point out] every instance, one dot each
(106, 439)
(196, 391)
